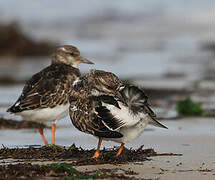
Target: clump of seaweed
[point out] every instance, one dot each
(28, 170)
(27, 167)
(13, 124)
(189, 108)
(64, 171)
(14, 42)
(79, 156)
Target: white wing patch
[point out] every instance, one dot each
(33, 94)
(17, 104)
(109, 127)
(76, 81)
(124, 114)
(95, 92)
(121, 88)
(74, 108)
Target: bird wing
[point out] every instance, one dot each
(104, 111)
(85, 117)
(129, 112)
(47, 88)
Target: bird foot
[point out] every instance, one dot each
(96, 155)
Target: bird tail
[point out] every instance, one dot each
(136, 100)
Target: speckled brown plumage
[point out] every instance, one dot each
(87, 96)
(45, 97)
(104, 82)
(103, 106)
(48, 88)
(84, 104)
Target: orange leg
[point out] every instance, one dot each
(120, 149)
(53, 133)
(42, 135)
(97, 153)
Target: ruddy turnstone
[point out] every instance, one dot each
(45, 96)
(103, 106)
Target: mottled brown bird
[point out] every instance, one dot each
(45, 96)
(103, 106)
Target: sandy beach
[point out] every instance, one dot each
(197, 147)
(183, 137)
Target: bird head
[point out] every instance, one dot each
(104, 83)
(69, 55)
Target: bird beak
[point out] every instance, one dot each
(84, 60)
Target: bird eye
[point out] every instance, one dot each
(72, 54)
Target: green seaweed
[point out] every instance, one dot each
(64, 166)
(94, 176)
(189, 108)
(72, 147)
(75, 174)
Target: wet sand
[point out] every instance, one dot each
(192, 137)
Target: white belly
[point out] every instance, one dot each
(130, 133)
(45, 114)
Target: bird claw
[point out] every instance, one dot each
(96, 155)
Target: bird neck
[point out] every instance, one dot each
(61, 60)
